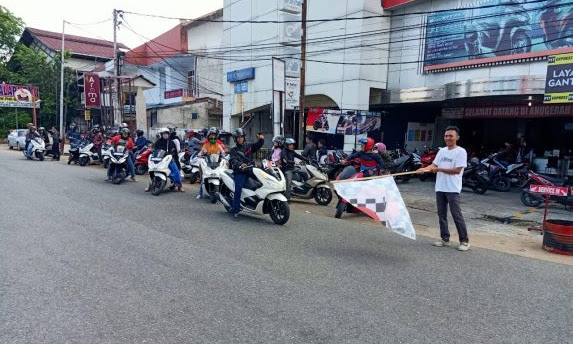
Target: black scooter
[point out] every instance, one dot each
(476, 177)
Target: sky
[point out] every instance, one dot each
(48, 15)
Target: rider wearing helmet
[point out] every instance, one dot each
(241, 162)
(287, 163)
(44, 134)
(211, 146)
(31, 135)
(123, 139)
(72, 134)
(141, 142)
(275, 153)
(166, 144)
(173, 136)
(369, 160)
(193, 143)
(386, 157)
(97, 140)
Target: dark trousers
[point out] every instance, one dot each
(453, 199)
(288, 178)
(240, 179)
(56, 150)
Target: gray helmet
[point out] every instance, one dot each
(213, 131)
(279, 139)
(290, 141)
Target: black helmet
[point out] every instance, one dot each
(238, 132)
(279, 139)
(139, 132)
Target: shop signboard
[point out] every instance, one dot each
(395, 3)
(559, 81)
(549, 190)
(292, 93)
(517, 111)
(173, 93)
(241, 87)
(497, 31)
(241, 74)
(92, 90)
(290, 29)
(18, 96)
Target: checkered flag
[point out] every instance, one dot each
(381, 200)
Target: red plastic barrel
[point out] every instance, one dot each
(558, 237)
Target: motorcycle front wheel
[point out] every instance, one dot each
(83, 161)
(323, 196)
(340, 209)
(501, 183)
(157, 186)
(530, 200)
(193, 177)
(279, 211)
(118, 176)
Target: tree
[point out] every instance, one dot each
(11, 28)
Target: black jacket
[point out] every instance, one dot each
(287, 159)
(166, 145)
(243, 154)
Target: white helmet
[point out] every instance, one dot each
(164, 130)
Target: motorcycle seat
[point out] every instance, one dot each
(556, 181)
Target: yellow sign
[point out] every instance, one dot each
(87, 114)
(559, 81)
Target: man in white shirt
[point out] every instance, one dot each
(449, 167)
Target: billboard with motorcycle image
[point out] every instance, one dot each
(342, 123)
(498, 30)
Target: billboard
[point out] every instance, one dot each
(18, 96)
(499, 30)
(559, 81)
(347, 123)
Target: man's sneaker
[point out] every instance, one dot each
(236, 217)
(441, 243)
(464, 246)
(132, 179)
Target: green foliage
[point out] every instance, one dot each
(8, 120)
(10, 29)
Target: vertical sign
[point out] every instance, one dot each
(92, 90)
(87, 115)
(278, 90)
(278, 75)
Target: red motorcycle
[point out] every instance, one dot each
(141, 160)
(531, 199)
(427, 160)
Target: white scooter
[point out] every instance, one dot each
(308, 182)
(195, 168)
(87, 156)
(159, 172)
(212, 166)
(118, 160)
(261, 195)
(105, 155)
(38, 149)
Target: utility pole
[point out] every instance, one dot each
(62, 133)
(116, 103)
(301, 111)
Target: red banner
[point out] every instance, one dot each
(394, 3)
(517, 111)
(549, 190)
(173, 94)
(92, 91)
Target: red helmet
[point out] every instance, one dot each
(368, 143)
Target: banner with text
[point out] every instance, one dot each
(559, 81)
(484, 112)
(18, 96)
(92, 90)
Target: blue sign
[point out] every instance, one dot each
(242, 87)
(241, 74)
(499, 30)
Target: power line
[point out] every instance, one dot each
(330, 19)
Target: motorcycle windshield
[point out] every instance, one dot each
(158, 155)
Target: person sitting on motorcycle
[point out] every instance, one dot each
(30, 136)
(211, 146)
(288, 163)
(241, 161)
(141, 142)
(97, 140)
(27, 134)
(44, 135)
(274, 155)
(322, 152)
(193, 143)
(72, 134)
(380, 148)
(123, 139)
(166, 144)
(370, 161)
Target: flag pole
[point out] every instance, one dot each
(375, 177)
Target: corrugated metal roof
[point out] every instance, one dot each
(76, 44)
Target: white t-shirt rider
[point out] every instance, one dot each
(449, 159)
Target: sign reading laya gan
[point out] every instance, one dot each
(559, 81)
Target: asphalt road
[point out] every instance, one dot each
(84, 261)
